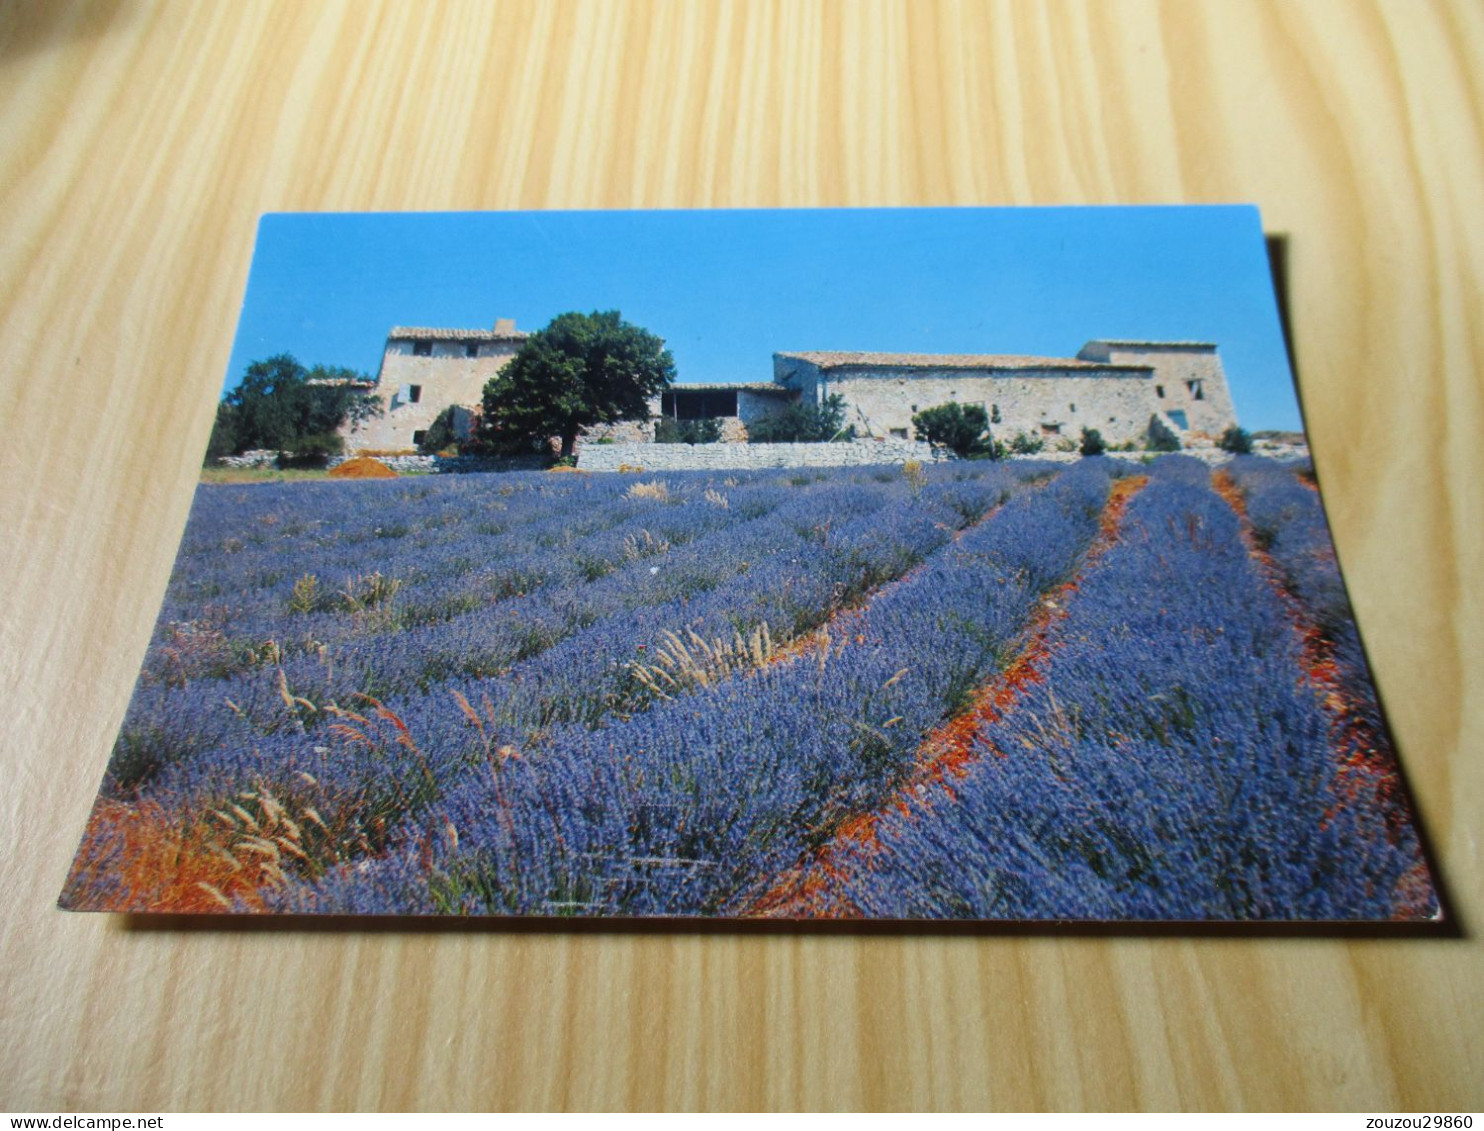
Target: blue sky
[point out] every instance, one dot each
(726, 289)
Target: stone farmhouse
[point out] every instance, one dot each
(426, 369)
(1114, 386)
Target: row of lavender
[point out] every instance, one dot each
(296, 565)
(721, 556)
(1173, 764)
(1288, 522)
(686, 807)
(562, 651)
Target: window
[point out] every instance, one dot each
(414, 394)
(1159, 391)
(422, 348)
(418, 436)
(914, 408)
(898, 433)
(1197, 390)
(1051, 429)
(471, 349)
(1178, 419)
(1073, 407)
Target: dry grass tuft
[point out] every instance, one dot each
(656, 489)
(368, 591)
(642, 544)
(681, 664)
(139, 858)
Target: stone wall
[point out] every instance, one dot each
(413, 463)
(454, 465)
(1049, 404)
(256, 458)
(623, 431)
(728, 457)
(719, 457)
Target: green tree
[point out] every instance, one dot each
(963, 429)
(1236, 440)
(580, 370)
(223, 440)
(281, 406)
(1161, 437)
(1092, 442)
(801, 423)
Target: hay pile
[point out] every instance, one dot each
(362, 467)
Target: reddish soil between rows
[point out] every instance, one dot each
(813, 889)
(1367, 766)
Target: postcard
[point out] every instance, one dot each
(887, 564)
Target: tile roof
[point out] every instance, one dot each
(837, 359)
(725, 387)
(443, 334)
(1144, 343)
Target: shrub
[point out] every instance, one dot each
(1024, 445)
(1237, 441)
(311, 451)
(803, 423)
(1092, 442)
(306, 596)
(963, 429)
(443, 432)
(916, 477)
(1160, 438)
(704, 431)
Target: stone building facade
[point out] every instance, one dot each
(1189, 383)
(426, 369)
(1116, 387)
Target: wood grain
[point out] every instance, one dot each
(139, 143)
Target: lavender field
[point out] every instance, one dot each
(989, 690)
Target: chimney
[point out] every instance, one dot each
(504, 325)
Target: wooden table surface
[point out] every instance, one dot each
(139, 143)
